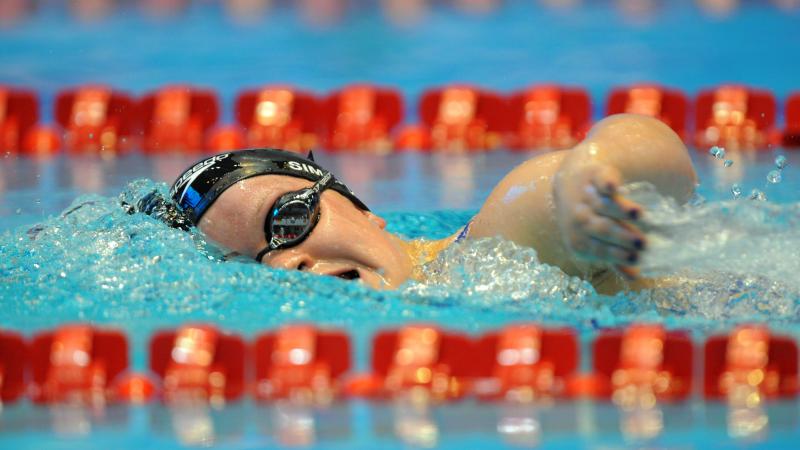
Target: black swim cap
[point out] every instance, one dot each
(200, 185)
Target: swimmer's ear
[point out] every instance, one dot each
(310, 155)
(377, 220)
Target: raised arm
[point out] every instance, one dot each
(566, 206)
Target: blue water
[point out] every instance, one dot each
(595, 46)
(98, 264)
(101, 265)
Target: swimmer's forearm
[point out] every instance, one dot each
(523, 206)
(597, 223)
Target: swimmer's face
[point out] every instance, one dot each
(346, 242)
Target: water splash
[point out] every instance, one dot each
(496, 273)
(95, 262)
(728, 259)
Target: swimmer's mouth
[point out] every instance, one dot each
(349, 275)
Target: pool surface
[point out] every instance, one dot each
(63, 264)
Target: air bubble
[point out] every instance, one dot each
(736, 190)
(774, 176)
(728, 163)
(780, 161)
(18, 211)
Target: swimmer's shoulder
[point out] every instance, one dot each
(423, 251)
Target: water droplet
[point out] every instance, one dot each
(757, 195)
(728, 163)
(774, 176)
(717, 152)
(780, 161)
(736, 190)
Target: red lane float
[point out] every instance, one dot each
(198, 362)
(735, 117)
(96, 119)
(750, 360)
(791, 135)
(643, 362)
(13, 360)
(279, 117)
(19, 132)
(177, 118)
(417, 359)
(457, 119)
(77, 363)
(548, 117)
(135, 388)
(301, 363)
(668, 105)
(524, 362)
(362, 118)
(225, 138)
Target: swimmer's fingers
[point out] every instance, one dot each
(620, 259)
(606, 179)
(618, 207)
(596, 250)
(616, 233)
(602, 195)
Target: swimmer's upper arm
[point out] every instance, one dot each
(521, 209)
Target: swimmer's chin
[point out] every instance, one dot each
(373, 279)
(368, 277)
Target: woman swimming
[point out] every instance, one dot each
(285, 211)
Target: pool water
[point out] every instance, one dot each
(95, 263)
(149, 276)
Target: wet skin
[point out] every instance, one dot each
(564, 204)
(346, 242)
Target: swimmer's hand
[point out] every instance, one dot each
(598, 225)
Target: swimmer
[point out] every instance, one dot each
(285, 211)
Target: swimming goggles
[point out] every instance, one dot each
(293, 216)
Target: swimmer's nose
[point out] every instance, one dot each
(293, 261)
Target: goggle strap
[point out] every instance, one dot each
(261, 254)
(322, 184)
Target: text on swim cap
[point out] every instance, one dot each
(192, 174)
(300, 167)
